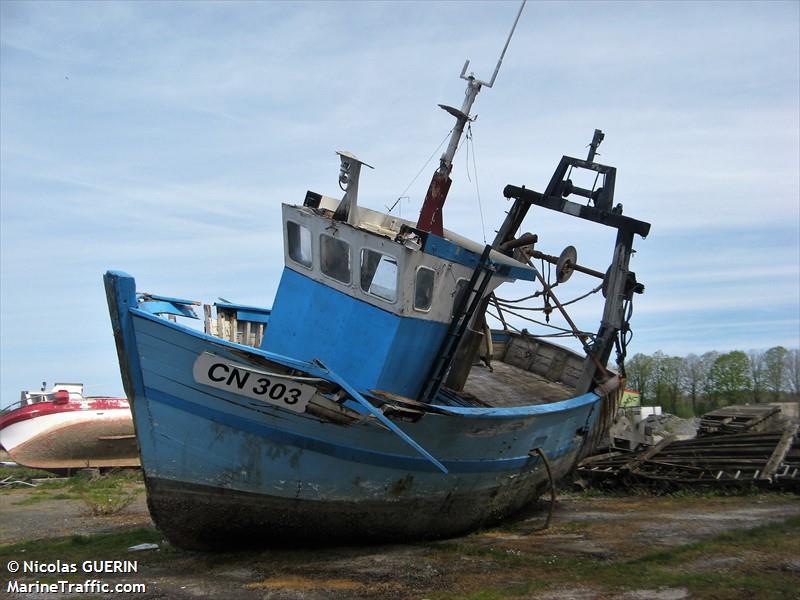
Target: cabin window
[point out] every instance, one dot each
(299, 238)
(461, 288)
(423, 289)
(379, 274)
(334, 256)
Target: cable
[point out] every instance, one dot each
(568, 331)
(403, 194)
(525, 332)
(471, 141)
(505, 302)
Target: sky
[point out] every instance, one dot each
(161, 139)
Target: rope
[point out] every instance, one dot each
(564, 332)
(552, 482)
(526, 332)
(403, 194)
(624, 335)
(471, 142)
(505, 302)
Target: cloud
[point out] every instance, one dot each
(162, 137)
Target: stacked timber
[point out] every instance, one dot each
(738, 419)
(770, 459)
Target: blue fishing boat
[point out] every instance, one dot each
(357, 406)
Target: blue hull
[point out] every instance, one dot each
(223, 469)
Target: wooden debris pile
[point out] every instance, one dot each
(737, 419)
(769, 459)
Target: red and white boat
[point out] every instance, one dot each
(60, 428)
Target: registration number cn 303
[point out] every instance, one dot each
(242, 380)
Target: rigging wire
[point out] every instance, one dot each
(566, 331)
(471, 142)
(594, 185)
(565, 334)
(535, 295)
(430, 158)
(503, 302)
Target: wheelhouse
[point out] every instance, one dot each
(372, 299)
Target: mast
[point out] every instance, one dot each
(430, 216)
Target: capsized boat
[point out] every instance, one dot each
(352, 408)
(60, 428)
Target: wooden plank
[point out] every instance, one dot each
(207, 319)
(600, 458)
(220, 324)
(649, 453)
(779, 454)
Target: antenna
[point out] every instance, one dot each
(502, 54)
(430, 217)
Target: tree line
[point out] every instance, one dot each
(695, 384)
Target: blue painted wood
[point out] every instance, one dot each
(161, 307)
(191, 434)
(232, 306)
(247, 313)
(121, 297)
(375, 412)
(251, 315)
(369, 347)
(449, 250)
(172, 300)
(312, 369)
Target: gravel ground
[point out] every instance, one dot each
(489, 564)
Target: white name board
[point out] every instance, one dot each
(245, 381)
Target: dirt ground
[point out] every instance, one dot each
(597, 547)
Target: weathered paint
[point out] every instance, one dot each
(370, 347)
(208, 452)
(246, 313)
(457, 253)
(83, 432)
(163, 307)
(379, 236)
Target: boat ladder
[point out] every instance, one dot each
(468, 304)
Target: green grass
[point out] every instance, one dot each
(24, 473)
(758, 578)
(41, 495)
(107, 494)
(470, 549)
(78, 548)
(75, 548)
(103, 495)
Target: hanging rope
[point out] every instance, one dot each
(624, 335)
(543, 456)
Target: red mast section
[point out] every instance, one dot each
(430, 217)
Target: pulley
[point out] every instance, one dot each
(565, 265)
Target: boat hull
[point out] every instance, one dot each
(49, 436)
(224, 470)
(204, 517)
